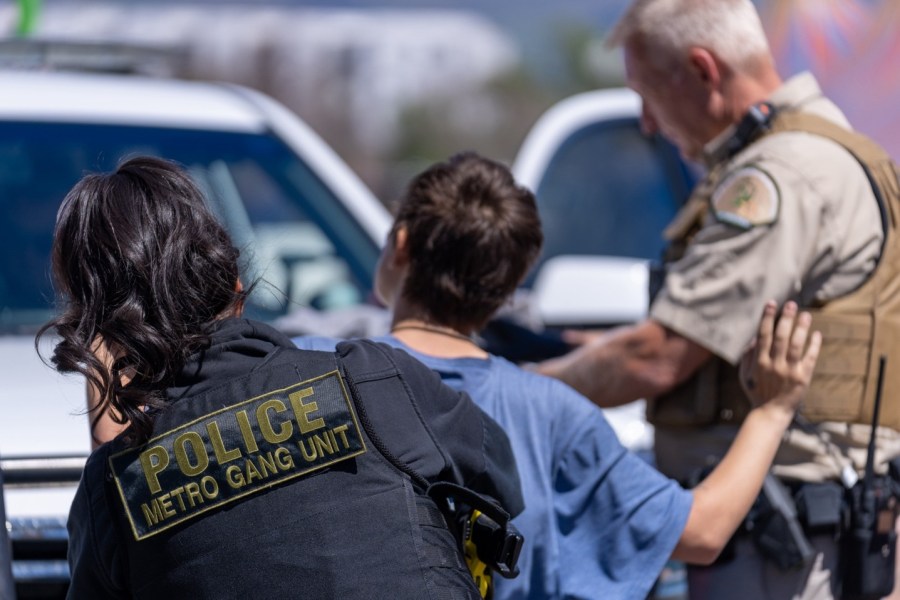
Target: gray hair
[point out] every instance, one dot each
(731, 29)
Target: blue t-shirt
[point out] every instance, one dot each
(599, 522)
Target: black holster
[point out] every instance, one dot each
(775, 527)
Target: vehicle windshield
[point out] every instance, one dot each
(609, 190)
(292, 231)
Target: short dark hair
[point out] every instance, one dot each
(140, 262)
(473, 233)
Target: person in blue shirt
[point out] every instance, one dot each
(599, 522)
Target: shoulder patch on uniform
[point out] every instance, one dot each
(235, 452)
(747, 198)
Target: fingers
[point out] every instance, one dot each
(791, 343)
(783, 330)
(812, 353)
(763, 347)
(748, 361)
(580, 337)
(798, 338)
(573, 337)
(785, 358)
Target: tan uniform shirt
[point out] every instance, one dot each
(822, 241)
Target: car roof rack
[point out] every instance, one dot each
(98, 57)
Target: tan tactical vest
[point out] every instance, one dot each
(857, 328)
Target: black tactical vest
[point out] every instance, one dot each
(275, 486)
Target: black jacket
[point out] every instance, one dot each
(283, 473)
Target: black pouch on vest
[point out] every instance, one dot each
(869, 545)
(820, 507)
(776, 530)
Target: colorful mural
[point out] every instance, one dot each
(853, 48)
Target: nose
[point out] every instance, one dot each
(648, 121)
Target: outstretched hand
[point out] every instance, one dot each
(777, 369)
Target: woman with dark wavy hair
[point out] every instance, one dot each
(246, 467)
(144, 271)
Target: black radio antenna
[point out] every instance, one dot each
(870, 455)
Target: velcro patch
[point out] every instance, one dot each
(747, 198)
(235, 452)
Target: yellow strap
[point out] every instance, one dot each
(480, 571)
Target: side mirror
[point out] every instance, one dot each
(591, 290)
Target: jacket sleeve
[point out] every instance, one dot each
(93, 549)
(437, 432)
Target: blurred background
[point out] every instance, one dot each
(393, 85)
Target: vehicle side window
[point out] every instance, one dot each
(298, 259)
(28, 202)
(609, 190)
(292, 230)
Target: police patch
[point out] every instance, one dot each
(747, 198)
(235, 452)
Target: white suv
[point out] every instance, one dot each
(304, 221)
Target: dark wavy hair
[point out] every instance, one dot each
(472, 235)
(140, 263)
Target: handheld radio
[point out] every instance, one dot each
(869, 544)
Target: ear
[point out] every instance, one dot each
(400, 256)
(704, 65)
(239, 307)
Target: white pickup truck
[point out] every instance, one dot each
(605, 192)
(303, 220)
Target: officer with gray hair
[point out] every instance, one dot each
(795, 206)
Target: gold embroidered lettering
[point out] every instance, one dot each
(252, 472)
(247, 431)
(153, 461)
(234, 477)
(302, 411)
(265, 425)
(195, 496)
(166, 503)
(193, 439)
(209, 487)
(267, 464)
(322, 445)
(177, 493)
(284, 459)
(341, 430)
(307, 456)
(154, 515)
(215, 437)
